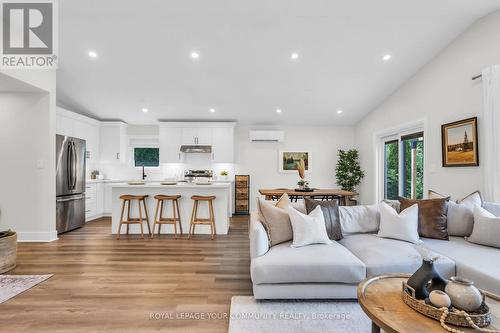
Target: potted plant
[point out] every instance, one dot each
(348, 171)
(224, 175)
(301, 169)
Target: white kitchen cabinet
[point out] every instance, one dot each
(197, 136)
(72, 124)
(100, 198)
(108, 204)
(94, 201)
(113, 139)
(223, 145)
(170, 145)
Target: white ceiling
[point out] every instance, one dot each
(244, 70)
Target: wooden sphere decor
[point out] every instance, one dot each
(8, 251)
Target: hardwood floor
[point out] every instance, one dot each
(101, 284)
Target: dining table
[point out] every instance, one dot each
(317, 193)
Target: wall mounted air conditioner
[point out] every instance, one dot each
(267, 136)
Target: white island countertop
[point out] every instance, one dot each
(178, 185)
(222, 204)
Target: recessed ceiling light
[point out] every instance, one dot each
(212, 110)
(92, 54)
(294, 56)
(278, 111)
(144, 110)
(387, 57)
(339, 111)
(195, 55)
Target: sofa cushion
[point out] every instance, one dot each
(402, 226)
(382, 255)
(476, 262)
(319, 263)
(492, 207)
(486, 228)
(432, 216)
(276, 221)
(460, 213)
(359, 219)
(331, 214)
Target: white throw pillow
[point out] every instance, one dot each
(308, 229)
(460, 216)
(486, 228)
(402, 226)
(359, 219)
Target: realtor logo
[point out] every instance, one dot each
(29, 36)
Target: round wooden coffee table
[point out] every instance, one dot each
(380, 299)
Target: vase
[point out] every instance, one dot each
(426, 279)
(463, 294)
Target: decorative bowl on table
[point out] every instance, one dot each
(168, 183)
(480, 317)
(306, 189)
(136, 183)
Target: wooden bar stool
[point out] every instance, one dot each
(160, 220)
(206, 221)
(127, 199)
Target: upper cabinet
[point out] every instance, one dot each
(219, 135)
(170, 143)
(223, 145)
(113, 141)
(196, 136)
(71, 124)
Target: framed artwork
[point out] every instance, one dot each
(288, 160)
(460, 143)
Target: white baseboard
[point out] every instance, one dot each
(49, 236)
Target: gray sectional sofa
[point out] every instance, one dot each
(334, 271)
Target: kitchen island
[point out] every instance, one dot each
(222, 205)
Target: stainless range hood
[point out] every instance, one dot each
(196, 149)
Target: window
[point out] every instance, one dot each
(391, 169)
(403, 165)
(148, 157)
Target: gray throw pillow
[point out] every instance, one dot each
(330, 211)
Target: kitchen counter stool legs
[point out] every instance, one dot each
(195, 220)
(160, 220)
(127, 200)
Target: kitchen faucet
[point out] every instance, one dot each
(143, 173)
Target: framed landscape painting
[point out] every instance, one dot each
(288, 160)
(460, 143)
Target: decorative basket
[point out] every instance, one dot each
(481, 317)
(8, 251)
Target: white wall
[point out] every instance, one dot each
(441, 92)
(260, 159)
(27, 147)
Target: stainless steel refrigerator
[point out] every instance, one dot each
(70, 183)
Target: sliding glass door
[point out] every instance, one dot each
(403, 165)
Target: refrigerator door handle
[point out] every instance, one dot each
(69, 168)
(74, 166)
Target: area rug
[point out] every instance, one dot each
(13, 285)
(248, 315)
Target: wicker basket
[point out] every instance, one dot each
(8, 251)
(481, 317)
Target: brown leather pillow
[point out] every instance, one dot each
(330, 211)
(432, 216)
